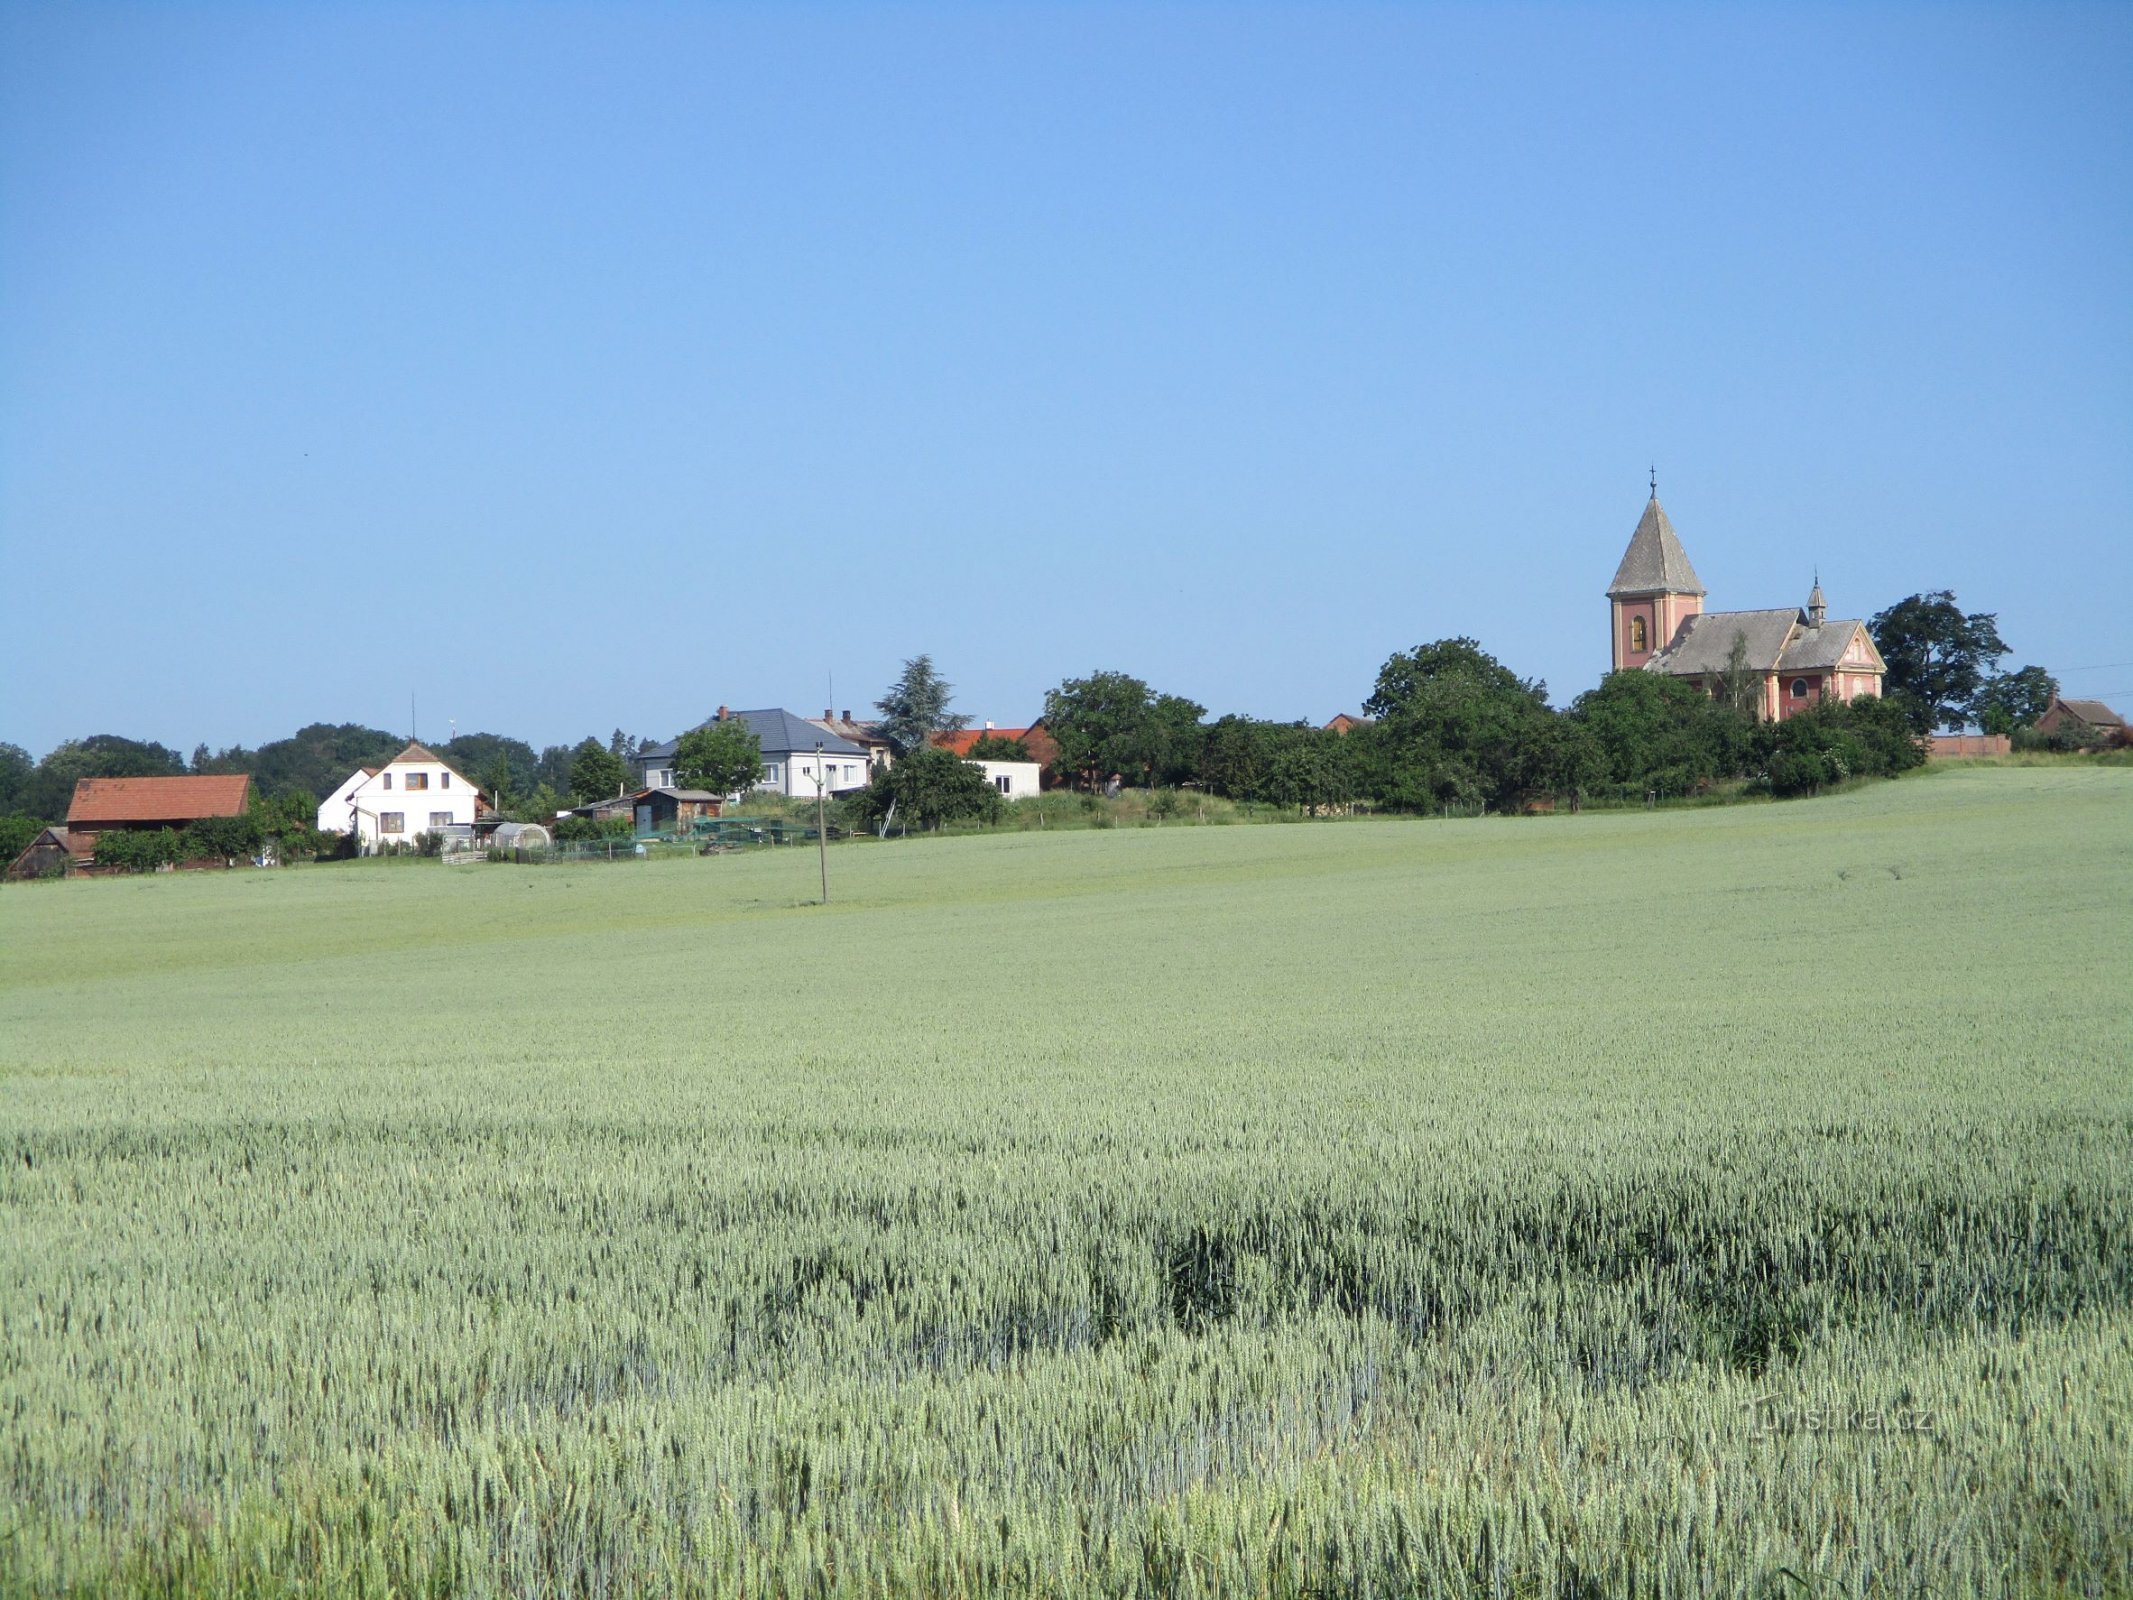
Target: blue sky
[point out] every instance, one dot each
(578, 366)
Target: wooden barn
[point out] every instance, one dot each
(151, 803)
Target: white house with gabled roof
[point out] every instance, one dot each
(416, 792)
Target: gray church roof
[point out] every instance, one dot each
(1778, 641)
(1654, 563)
(1817, 649)
(1706, 641)
(778, 731)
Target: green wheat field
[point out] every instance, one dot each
(1721, 1202)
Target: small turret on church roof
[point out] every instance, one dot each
(1654, 563)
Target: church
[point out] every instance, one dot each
(1799, 656)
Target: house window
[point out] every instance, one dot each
(392, 822)
(418, 780)
(1637, 634)
(1799, 688)
(1003, 783)
(444, 780)
(770, 772)
(440, 819)
(388, 780)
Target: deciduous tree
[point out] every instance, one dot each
(1938, 657)
(724, 757)
(2015, 699)
(596, 772)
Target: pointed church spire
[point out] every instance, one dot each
(1654, 563)
(1817, 607)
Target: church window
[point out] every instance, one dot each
(1637, 635)
(1799, 688)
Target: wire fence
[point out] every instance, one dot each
(709, 836)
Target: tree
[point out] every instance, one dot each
(50, 789)
(724, 757)
(482, 753)
(553, 768)
(596, 772)
(16, 771)
(994, 748)
(1456, 725)
(1111, 722)
(16, 832)
(2015, 699)
(317, 758)
(1833, 741)
(929, 786)
(497, 781)
(1740, 686)
(1658, 732)
(916, 706)
(1938, 658)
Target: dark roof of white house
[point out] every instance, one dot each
(1654, 563)
(778, 731)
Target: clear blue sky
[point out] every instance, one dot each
(584, 366)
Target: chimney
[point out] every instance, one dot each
(988, 727)
(828, 715)
(847, 717)
(722, 713)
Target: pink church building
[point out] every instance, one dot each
(1660, 625)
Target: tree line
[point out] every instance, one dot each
(1449, 725)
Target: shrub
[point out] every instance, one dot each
(591, 830)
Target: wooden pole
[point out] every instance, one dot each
(822, 849)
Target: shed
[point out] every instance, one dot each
(666, 810)
(52, 853)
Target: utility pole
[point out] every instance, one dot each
(822, 848)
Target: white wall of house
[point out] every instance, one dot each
(1016, 780)
(406, 798)
(792, 772)
(336, 815)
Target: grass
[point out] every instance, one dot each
(1453, 1208)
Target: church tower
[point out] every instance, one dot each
(1654, 592)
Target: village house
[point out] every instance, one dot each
(2090, 719)
(416, 792)
(1016, 780)
(867, 735)
(1798, 657)
(792, 747)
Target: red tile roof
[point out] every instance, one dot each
(158, 799)
(961, 741)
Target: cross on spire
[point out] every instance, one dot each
(1655, 480)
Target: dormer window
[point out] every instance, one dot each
(1639, 639)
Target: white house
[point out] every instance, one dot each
(416, 792)
(1016, 780)
(337, 815)
(792, 749)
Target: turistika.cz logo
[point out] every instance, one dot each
(1769, 1413)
